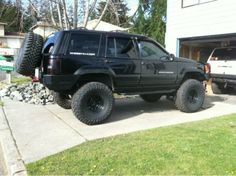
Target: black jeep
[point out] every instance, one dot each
(84, 68)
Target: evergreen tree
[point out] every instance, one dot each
(149, 19)
(11, 14)
(116, 13)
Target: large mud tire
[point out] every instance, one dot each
(190, 96)
(62, 100)
(29, 56)
(92, 103)
(217, 89)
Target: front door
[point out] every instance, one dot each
(157, 68)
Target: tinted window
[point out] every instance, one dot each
(149, 50)
(84, 44)
(121, 47)
(224, 54)
(111, 47)
(49, 43)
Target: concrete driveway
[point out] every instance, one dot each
(40, 131)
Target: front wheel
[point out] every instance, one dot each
(92, 103)
(190, 96)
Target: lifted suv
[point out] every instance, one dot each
(84, 68)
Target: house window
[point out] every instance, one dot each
(189, 3)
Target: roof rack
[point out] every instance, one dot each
(117, 31)
(83, 28)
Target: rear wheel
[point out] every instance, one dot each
(92, 103)
(190, 96)
(62, 100)
(151, 98)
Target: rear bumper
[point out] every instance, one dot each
(229, 80)
(59, 82)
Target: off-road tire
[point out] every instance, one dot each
(29, 55)
(92, 103)
(190, 96)
(216, 89)
(151, 98)
(62, 100)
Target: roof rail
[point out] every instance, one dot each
(117, 31)
(83, 28)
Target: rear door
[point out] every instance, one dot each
(122, 58)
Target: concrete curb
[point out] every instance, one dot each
(14, 165)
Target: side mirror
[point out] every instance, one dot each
(172, 57)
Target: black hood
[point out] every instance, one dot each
(181, 59)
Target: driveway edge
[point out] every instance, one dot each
(14, 165)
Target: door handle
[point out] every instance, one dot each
(109, 61)
(143, 63)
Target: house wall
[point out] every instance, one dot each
(44, 30)
(212, 18)
(11, 41)
(1, 30)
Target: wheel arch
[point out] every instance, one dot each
(197, 75)
(95, 77)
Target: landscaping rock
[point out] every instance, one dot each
(16, 96)
(33, 93)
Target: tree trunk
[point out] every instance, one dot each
(92, 7)
(66, 22)
(59, 15)
(86, 15)
(51, 13)
(103, 12)
(116, 13)
(75, 14)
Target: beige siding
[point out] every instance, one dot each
(1, 30)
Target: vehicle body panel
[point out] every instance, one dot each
(128, 74)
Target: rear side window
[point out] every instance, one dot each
(121, 48)
(224, 54)
(84, 44)
(49, 43)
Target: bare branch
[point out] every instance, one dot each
(103, 12)
(86, 15)
(59, 15)
(114, 8)
(34, 8)
(66, 19)
(75, 14)
(51, 13)
(92, 7)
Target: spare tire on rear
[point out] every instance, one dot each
(29, 56)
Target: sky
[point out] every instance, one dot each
(133, 5)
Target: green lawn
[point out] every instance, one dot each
(20, 80)
(199, 148)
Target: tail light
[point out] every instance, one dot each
(207, 68)
(54, 66)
